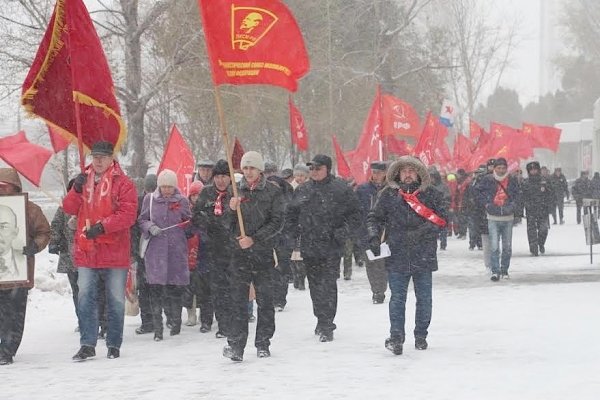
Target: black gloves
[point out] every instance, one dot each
(94, 231)
(30, 249)
(78, 183)
(54, 249)
(375, 246)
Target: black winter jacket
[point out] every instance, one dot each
(538, 196)
(322, 215)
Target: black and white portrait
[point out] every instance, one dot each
(13, 263)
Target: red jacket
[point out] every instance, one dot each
(114, 253)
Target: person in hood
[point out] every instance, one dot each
(322, 215)
(163, 219)
(262, 205)
(538, 198)
(498, 193)
(409, 213)
(104, 200)
(13, 301)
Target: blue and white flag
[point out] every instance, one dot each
(447, 113)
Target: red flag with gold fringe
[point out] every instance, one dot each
(70, 67)
(253, 42)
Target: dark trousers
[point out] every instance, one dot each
(377, 275)
(537, 231)
(443, 238)
(462, 222)
(322, 276)
(281, 275)
(13, 305)
(220, 288)
(474, 234)
(143, 291)
(299, 272)
(72, 275)
(167, 298)
(250, 266)
(200, 287)
(579, 205)
(560, 206)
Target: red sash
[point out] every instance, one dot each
(421, 209)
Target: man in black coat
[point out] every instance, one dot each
(367, 194)
(582, 189)
(211, 213)
(538, 198)
(561, 190)
(261, 203)
(411, 212)
(324, 212)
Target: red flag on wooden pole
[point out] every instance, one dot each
(70, 72)
(27, 158)
(178, 157)
(253, 42)
(297, 127)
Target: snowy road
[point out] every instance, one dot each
(534, 336)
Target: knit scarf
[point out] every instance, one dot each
(421, 209)
(219, 203)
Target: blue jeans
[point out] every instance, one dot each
(500, 230)
(115, 279)
(398, 282)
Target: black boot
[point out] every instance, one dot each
(420, 343)
(84, 353)
(394, 344)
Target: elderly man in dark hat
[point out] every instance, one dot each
(410, 213)
(538, 198)
(367, 195)
(324, 212)
(102, 246)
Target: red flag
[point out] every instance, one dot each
(27, 158)
(397, 146)
(399, 117)
(508, 142)
(58, 141)
(547, 137)
(370, 146)
(431, 147)
(475, 131)
(237, 154)
(462, 151)
(253, 42)
(297, 128)
(178, 158)
(343, 169)
(70, 67)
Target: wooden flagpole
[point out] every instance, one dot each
(228, 151)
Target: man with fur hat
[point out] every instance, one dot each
(104, 200)
(322, 215)
(410, 213)
(367, 194)
(261, 203)
(498, 193)
(538, 198)
(211, 214)
(13, 302)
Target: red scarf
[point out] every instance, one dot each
(98, 199)
(421, 209)
(219, 203)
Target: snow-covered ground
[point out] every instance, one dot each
(534, 336)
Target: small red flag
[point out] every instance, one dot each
(253, 42)
(297, 127)
(399, 117)
(27, 158)
(237, 154)
(178, 158)
(431, 147)
(546, 137)
(58, 141)
(462, 151)
(343, 169)
(70, 66)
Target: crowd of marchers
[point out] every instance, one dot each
(228, 245)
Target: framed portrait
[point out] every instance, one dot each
(15, 270)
